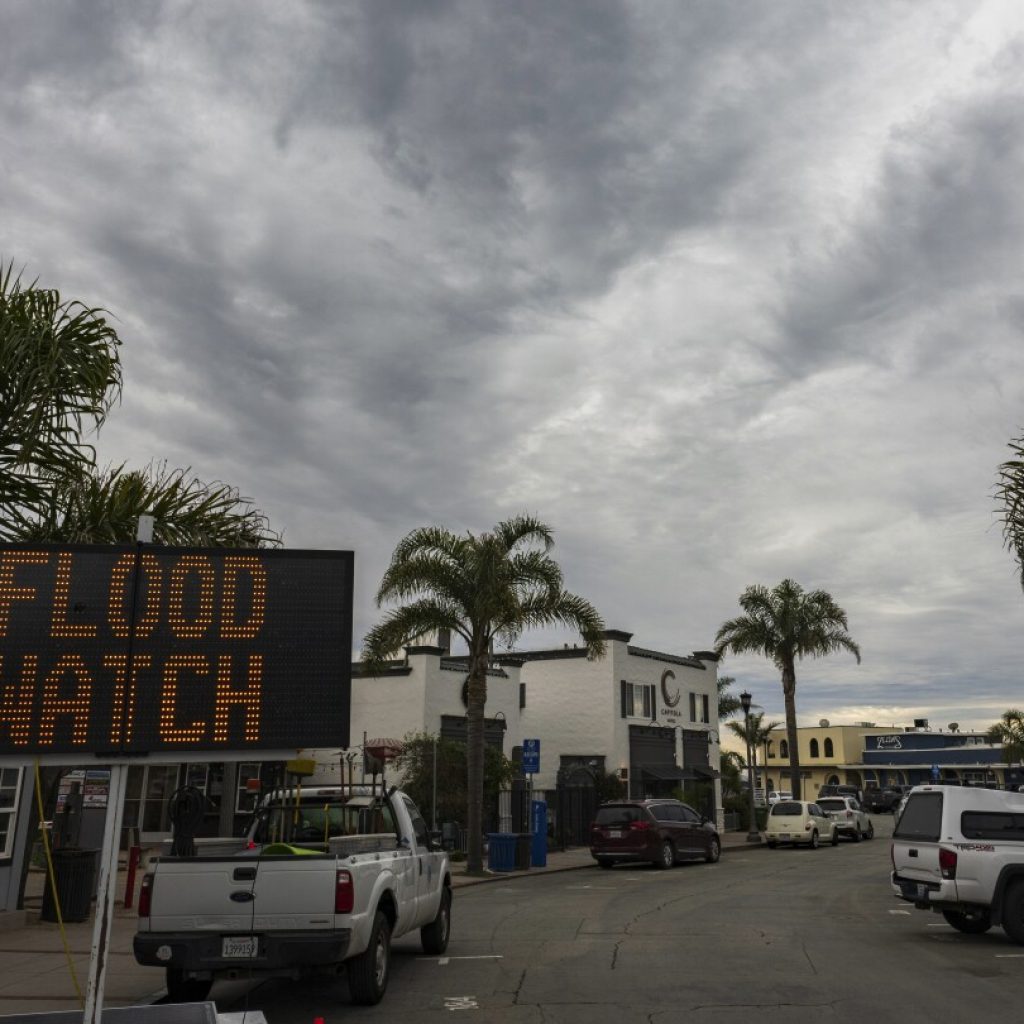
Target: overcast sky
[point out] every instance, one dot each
(724, 292)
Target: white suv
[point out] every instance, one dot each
(960, 851)
(851, 819)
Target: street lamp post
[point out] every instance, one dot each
(753, 836)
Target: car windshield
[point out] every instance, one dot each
(787, 809)
(618, 814)
(832, 805)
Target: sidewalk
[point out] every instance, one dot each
(34, 975)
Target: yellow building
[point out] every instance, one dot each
(828, 754)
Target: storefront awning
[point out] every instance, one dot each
(705, 773)
(665, 772)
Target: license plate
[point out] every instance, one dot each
(238, 947)
(915, 890)
(614, 834)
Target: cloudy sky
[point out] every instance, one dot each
(724, 292)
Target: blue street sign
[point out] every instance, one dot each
(531, 757)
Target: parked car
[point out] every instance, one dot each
(774, 796)
(959, 851)
(841, 789)
(660, 831)
(851, 819)
(338, 896)
(800, 822)
(885, 799)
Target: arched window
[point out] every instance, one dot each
(814, 748)
(783, 748)
(829, 751)
(833, 780)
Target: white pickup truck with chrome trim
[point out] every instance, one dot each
(324, 879)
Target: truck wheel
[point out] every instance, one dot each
(182, 989)
(1012, 918)
(976, 923)
(434, 936)
(368, 972)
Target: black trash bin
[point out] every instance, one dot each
(75, 873)
(523, 851)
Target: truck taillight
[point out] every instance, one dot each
(145, 895)
(947, 863)
(344, 893)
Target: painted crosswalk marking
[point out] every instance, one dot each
(460, 1003)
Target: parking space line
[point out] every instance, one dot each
(902, 913)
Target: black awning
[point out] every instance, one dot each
(665, 772)
(705, 773)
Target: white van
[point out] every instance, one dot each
(959, 850)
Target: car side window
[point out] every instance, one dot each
(419, 826)
(815, 810)
(690, 815)
(665, 812)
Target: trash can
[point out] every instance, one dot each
(75, 874)
(524, 842)
(501, 851)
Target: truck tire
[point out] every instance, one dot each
(434, 936)
(181, 989)
(970, 924)
(1012, 917)
(368, 973)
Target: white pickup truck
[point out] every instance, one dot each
(323, 879)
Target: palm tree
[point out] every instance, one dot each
(60, 373)
(752, 732)
(786, 624)
(486, 587)
(1010, 492)
(728, 703)
(1009, 731)
(103, 507)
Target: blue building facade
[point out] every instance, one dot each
(920, 756)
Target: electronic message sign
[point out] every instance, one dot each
(139, 649)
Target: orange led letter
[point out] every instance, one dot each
(10, 593)
(233, 565)
(121, 598)
(119, 663)
(170, 732)
(186, 629)
(227, 698)
(60, 628)
(16, 701)
(77, 706)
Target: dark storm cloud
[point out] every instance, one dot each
(726, 292)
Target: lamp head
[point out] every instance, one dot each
(745, 699)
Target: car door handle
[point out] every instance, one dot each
(243, 874)
(912, 853)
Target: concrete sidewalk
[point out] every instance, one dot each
(34, 971)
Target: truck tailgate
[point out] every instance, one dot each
(243, 893)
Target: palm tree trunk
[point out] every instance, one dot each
(789, 693)
(476, 698)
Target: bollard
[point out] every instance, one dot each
(134, 853)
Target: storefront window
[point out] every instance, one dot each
(10, 787)
(246, 798)
(162, 782)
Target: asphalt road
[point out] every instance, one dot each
(764, 935)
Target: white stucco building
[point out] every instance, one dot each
(649, 717)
